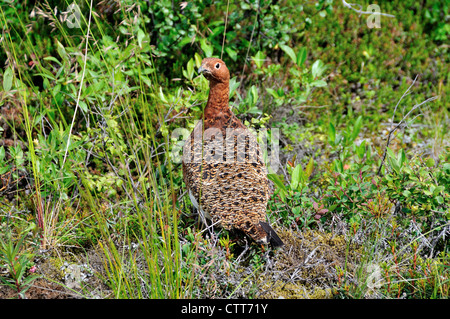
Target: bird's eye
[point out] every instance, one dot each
(217, 66)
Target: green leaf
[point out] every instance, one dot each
(331, 134)
(280, 186)
(394, 164)
(190, 69)
(318, 68)
(7, 79)
(231, 53)
(61, 51)
(437, 190)
(289, 52)
(409, 171)
(277, 181)
(254, 110)
(309, 168)
(161, 95)
(2, 153)
(301, 99)
(296, 211)
(53, 59)
(140, 37)
(390, 153)
(295, 179)
(207, 49)
(356, 129)
(83, 106)
(361, 149)
(401, 158)
(253, 95)
(318, 83)
(272, 92)
(259, 59)
(56, 89)
(446, 167)
(234, 84)
(369, 151)
(46, 75)
(198, 60)
(338, 167)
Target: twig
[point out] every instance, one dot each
(399, 124)
(350, 5)
(410, 125)
(311, 106)
(246, 58)
(225, 29)
(81, 85)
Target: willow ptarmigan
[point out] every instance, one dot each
(224, 171)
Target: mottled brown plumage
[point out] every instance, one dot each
(223, 168)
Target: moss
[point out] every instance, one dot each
(283, 290)
(53, 267)
(305, 268)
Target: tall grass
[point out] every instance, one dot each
(153, 269)
(21, 96)
(389, 267)
(143, 260)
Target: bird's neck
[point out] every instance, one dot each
(217, 105)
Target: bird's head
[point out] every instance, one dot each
(214, 70)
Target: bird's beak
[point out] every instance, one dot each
(201, 70)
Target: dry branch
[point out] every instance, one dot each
(350, 5)
(399, 124)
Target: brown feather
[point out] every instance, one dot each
(223, 168)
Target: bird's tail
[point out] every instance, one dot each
(275, 241)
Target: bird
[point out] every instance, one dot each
(223, 166)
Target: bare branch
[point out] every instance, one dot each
(404, 94)
(401, 123)
(350, 5)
